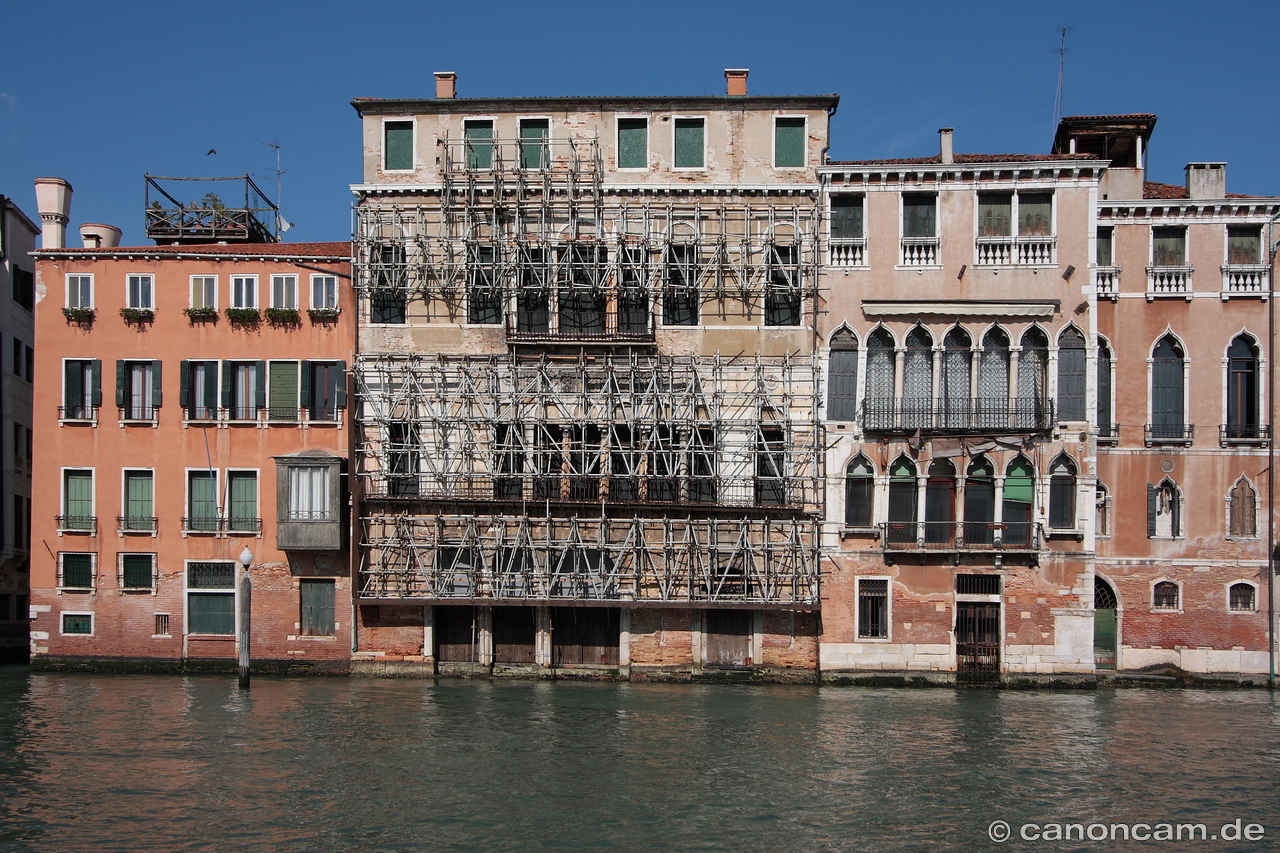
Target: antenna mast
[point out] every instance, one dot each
(279, 174)
(1062, 62)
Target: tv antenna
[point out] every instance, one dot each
(1062, 62)
(281, 225)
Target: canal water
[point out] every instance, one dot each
(166, 763)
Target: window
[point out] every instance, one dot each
(137, 571)
(1062, 494)
(702, 462)
(388, 298)
(284, 292)
(1107, 429)
(1101, 511)
(75, 571)
(992, 408)
(139, 508)
(1034, 409)
(81, 388)
(21, 529)
(30, 355)
(509, 454)
(402, 452)
(1242, 515)
(873, 608)
(967, 584)
(954, 384)
(1106, 246)
(1018, 503)
(771, 484)
(859, 485)
(79, 291)
(903, 501)
(633, 143)
(242, 501)
(309, 493)
(202, 502)
(782, 293)
(77, 623)
(788, 142)
(534, 153)
(324, 389)
(317, 599)
(77, 501)
(141, 289)
(846, 217)
(917, 380)
(244, 291)
(879, 406)
(1168, 247)
(633, 293)
(940, 503)
(842, 377)
(582, 301)
(324, 293)
(484, 290)
(244, 388)
(980, 502)
(1244, 244)
(204, 292)
(211, 598)
(478, 136)
(919, 216)
(1071, 375)
(138, 389)
(533, 311)
(162, 625)
(397, 148)
(680, 299)
(282, 391)
(1242, 598)
(1031, 213)
(24, 288)
(198, 390)
(1164, 511)
(1168, 401)
(1242, 391)
(689, 143)
(1164, 596)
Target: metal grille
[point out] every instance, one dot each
(978, 584)
(211, 575)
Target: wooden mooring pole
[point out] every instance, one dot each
(246, 595)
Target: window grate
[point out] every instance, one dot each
(162, 624)
(211, 575)
(978, 584)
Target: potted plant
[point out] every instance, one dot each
(287, 317)
(243, 318)
(82, 317)
(201, 315)
(137, 316)
(323, 315)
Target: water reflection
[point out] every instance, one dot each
(164, 763)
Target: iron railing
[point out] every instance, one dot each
(1169, 433)
(961, 535)
(961, 415)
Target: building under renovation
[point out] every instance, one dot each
(588, 398)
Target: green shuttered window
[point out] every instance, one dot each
(77, 571)
(136, 571)
(398, 148)
(690, 135)
(788, 143)
(633, 143)
(317, 608)
(282, 395)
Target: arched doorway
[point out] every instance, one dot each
(1105, 608)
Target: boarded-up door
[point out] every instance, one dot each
(514, 629)
(584, 635)
(727, 640)
(456, 631)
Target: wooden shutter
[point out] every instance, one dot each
(398, 150)
(842, 390)
(340, 399)
(633, 143)
(317, 599)
(846, 216)
(1071, 377)
(1104, 390)
(228, 375)
(283, 404)
(689, 143)
(259, 384)
(788, 143)
(1153, 508)
(1166, 395)
(157, 385)
(122, 379)
(995, 215)
(918, 216)
(1035, 214)
(304, 385)
(72, 385)
(184, 384)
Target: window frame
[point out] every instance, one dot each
(87, 412)
(122, 577)
(1231, 585)
(284, 278)
(1169, 230)
(412, 121)
(68, 303)
(477, 121)
(191, 291)
(804, 141)
(255, 521)
(675, 124)
(92, 527)
(188, 591)
(322, 305)
(303, 623)
(544, 149)
(887, 634)
(870, 481)
(1177, 585)
(1242, 481)
(62, 623)
(124, 501)
(617, 137)
(93, 573)
(236, 298)
(142, 278)
(187, 506)
(293, 514)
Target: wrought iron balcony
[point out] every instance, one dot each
(1244, 434)
(139, 413)
(78, 523)
(1108, 434)
(1155, 434)
(78, 413)
(961, 536)
(136, 523)
(963, 415)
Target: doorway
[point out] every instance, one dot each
(1105, 620)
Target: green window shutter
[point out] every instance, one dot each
(788, 143)
(73, 384)
(211, 613)
(77, 571)
(304, 386)
(1243, 245)
(689, 143)
(79, 494)
(1168, 247)
(122, 370)
(398, 149)
(211, 385)
(995, 215)
(139, 501)
(533, 137)
(317, 608)
(846, 216)
(95, 370)
(244, 496)
(1105, 253)
(204, 502)
(479, 138)
(1153, 508)
(137, 571)
(1035, 214)
(919, 216)
(259, 384)
(633, 143)
(341, 396)
(228, 374)
(157, 385)
(283, 403)
(184, 384)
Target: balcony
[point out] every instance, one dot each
(919, 252)
(961, 536)
(78, 414)
(968, 415)
(1244, 435)
(77, 524)
(1106, 281)
(225, 524)
(847, 252)
(1169, 281)
(211, 218)
(1109, 434)
(139, 414)
(1015, 251)
(1244, 280)
(591, 326)
(136, 523)
(1169, 434)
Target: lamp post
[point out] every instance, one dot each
(246, 593)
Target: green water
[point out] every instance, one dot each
(141, 763)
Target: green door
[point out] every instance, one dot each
(1104, 638)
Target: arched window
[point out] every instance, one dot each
(858, 490)
(1034, 411)
(1106, 426)
(1062, 494)
(1019, 500)
(1164, 596)
(878, 411)
(917, 380)
(1168, 414)
(1242, 390)
(993, 381)
(1071, 375)
(956, 369)
(902, 501)
(980, 502)
(1164, 510)
(1104, 597)
(1242, 598)
(1242, 519)
(1101, 511)
(842, 383)
(940, 503)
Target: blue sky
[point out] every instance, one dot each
(99, 93)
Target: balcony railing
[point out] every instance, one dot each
(242, 524)
(919, 251)
(78, 523)
(1244, 434)
(77, 413)
(1108, 433)
(136, 523)
(965, 415)
(201, 524)
(1244, 280)
(216, 524)
(1015, 251)
(961, 535)
(1169, 434)
(1169, 281)
(1106, 280)
(589, 326)
(138, 413)
(848, 251)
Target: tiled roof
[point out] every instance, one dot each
(936, 159)
(1155, 189)
(256, 250)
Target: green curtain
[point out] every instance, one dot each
(995, 216)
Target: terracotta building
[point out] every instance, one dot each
(191, 425)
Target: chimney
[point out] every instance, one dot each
(944, 138)
(99, 236)
(735, 81)
(1206, 180)
(53, 200)
(446, 84)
